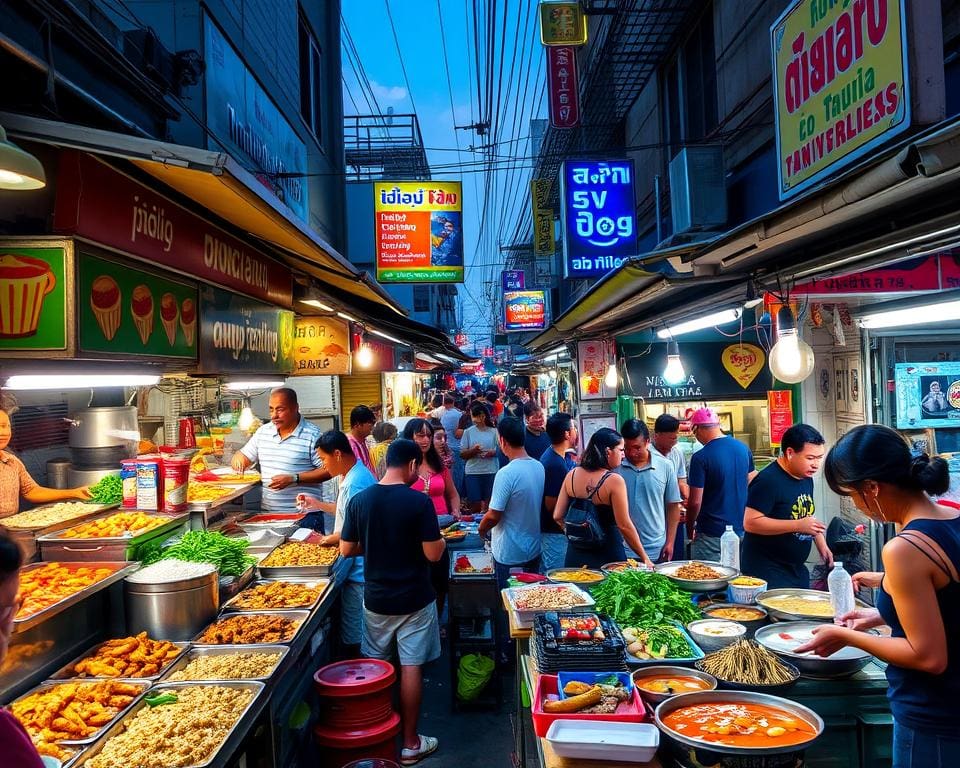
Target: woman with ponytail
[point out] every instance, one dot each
(919, 595)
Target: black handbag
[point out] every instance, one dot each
(582, 523)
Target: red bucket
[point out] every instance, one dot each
(343, 747)
(355, 694)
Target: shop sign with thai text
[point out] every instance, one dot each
(840, 85)
(936, 272)
(512, 280)
(524, 310)
(563, 86)
(321, 347)
(562, 23)
(593, 359)
(543, 242)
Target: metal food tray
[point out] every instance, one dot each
(589, 606)
(64, 673)
(298, 616)
(120, 725)
(95, 509)
(31, 620)
(479, 558)
(130, 540)
(50, 684)
(223, 650)
(231, 607)
(300, 572)
(238, 491)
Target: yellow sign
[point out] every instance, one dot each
(840, 85)
(321, 347)
(562, 24)
(743, 362)
(543, 241)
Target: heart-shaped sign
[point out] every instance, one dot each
(743, 362)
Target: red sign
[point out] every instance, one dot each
(937, 272)
(100, 203)
(780, 413)
(563, 86)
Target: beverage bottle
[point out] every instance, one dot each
(730, 549)
(841, 591)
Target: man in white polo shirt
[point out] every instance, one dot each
(284, 448)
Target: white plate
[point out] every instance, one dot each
(595, 740)
(797, 637)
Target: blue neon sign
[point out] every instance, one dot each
(599, 216)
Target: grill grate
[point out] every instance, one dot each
(39, 426)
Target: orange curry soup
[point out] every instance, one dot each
(740, 725)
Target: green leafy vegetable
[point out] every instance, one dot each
(666, 638)
(109, 490)
(643, 599)
(229, 555)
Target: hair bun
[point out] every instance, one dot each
(931, 475)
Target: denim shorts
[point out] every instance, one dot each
(416, 636)
(480, 487)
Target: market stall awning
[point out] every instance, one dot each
(216, 181)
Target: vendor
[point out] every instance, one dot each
(15, 481)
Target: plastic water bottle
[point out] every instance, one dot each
(841, 591)
(730, 549)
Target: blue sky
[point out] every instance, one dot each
(520, 92)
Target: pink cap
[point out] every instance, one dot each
(704, 417)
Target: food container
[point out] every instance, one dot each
(103, 436)
(176, 474)
(557, 576)
(355, 694)
(746, 595)
(714, 634)
(730, 685)
(695, 655)
(149, 484)
(66, 672)
(669, 671)
(175, 610)
(128, 481)
(223, 650)
(296, 571)
(26, 538)
(231, 605)
(298, 617)
(592, 678)
(691, 751)
(843, 663)
(752, 625)
(587, 602)
(57, 473)
(55, 547)
(591, 740)
(480, 560)
(119, 725)
(697, 585)
(810, 595)
(631, 711)
(278, 523)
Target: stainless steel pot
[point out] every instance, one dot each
(78, 476)
(105, 428)
(845, 662)
(57, 473)
(176, 610)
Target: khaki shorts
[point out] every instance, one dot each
(415, 635)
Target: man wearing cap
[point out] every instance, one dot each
(718, 479)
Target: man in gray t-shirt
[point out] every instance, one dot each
(652, 491)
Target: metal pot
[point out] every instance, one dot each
(57, 473)
(105, 428)
(77, 476)
(845, 662)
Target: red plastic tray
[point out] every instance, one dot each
(628, 712)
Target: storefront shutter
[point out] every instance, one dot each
(358, 389)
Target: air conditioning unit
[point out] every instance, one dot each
(698, 193)
(144, 49)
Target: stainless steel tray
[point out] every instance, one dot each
(65, 673)
(95, 509)
(298, 616)
(120, 725)
(33, 619)
(295, 571)
(171, 521)
(324, 584)
(50, 684)
(236, 492)
(478, 558)
(224, 650)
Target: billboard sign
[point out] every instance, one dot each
(512, 280)
(562, 23)
(840, 85)
(563, 86)
(321, 347)
(599, 216)
(524, 310)
(419, 231)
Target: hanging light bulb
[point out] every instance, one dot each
(245, 421)
(553, 373)
(791, 358)
(674, 374)
(611, 380)
(364, 356)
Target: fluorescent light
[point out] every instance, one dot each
(317, 303)
(345, 316)
(557, 350)
(80, 381)
(698, 323)
(244, 385)
(383, 335)
(926, 313)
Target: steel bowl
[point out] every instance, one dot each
(619, 566)
(687, 749)
(552, 576)
(665, 670)
(752, 625)
(845, 662)
(779, 614)
(698, 585)
(709, 643)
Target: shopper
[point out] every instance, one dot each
(338, 458)
(362, 420)
(441, 447)
(535, 438)
(779, 521)
(284, 449)
(18, 749)
(919, 597)
(718, 478)
(652, 491)
(383, 434)
(495, 404)
(395, 529)
(436, 407)
(595, 486)
(556, 462)
(450, 418)
(665, 439)
(478, 448)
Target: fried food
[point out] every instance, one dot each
(73, 711)
(137, 656)
(120, 524)
(277, 594)
(188, 731)
(299, 553)
(41, 517)
(247, 629)
(42, 587)
(547, 599)
(55, 751)
(697, 572)
(247, 477)
(228, 666)
(206, 491)
(576, 575)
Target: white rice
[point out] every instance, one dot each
(170, 570)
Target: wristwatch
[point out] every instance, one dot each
(296, 478)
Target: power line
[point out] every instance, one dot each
(403, 67)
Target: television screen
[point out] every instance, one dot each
(928, 395)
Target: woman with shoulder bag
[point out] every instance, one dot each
(593, 507)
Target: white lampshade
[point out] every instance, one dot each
(18, 168)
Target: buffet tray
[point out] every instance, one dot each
(58, 546)
(33, 619)
(26, 538)
(237, 490)
(64, 673)
(479, 558)
(119, 725)
(298, 572)
(231, 607)
(300, 616)
(223, 650)
(527, 615)
(50, 684)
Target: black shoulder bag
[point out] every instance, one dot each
(582, 524)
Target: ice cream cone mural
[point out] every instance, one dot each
(141, 307)
(24, 282)
(105, 303)
(188, 320)
(169, 316)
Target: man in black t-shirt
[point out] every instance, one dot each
(779, 521)
(395, 529)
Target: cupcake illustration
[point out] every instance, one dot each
(188, 320)
(141, 307)
(105, 303)
(24, 282)
(169, 316)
